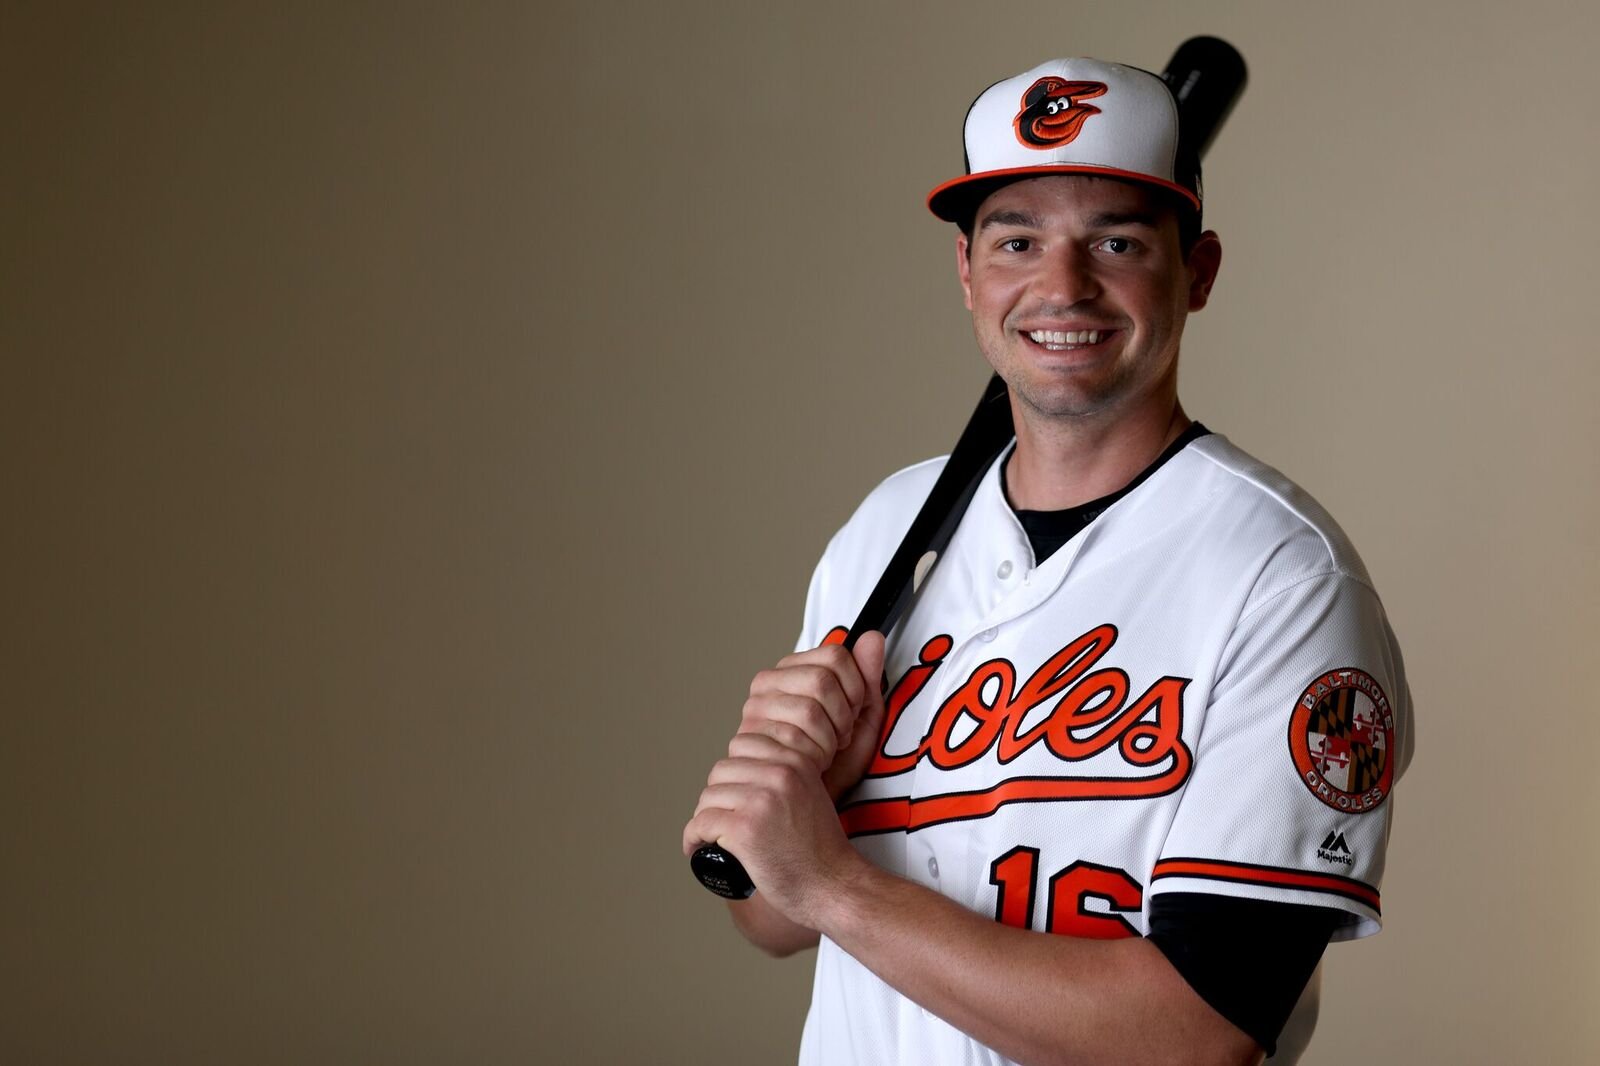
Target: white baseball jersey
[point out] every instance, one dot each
(1199, 692)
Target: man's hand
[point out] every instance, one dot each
(825, 704)
(767, 806)
(807, 734)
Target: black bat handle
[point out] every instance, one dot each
(988, 430)
(721, 872)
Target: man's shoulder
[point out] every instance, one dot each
(862, 547)
(908, 485)
(884, 515)
(1256, 506)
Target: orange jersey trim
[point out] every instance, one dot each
(1268, 876)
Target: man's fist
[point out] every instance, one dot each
(825, 704)
(807, 734)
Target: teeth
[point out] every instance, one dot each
(1054, 338)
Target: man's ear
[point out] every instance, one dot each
(1205, 259)
(964, 266)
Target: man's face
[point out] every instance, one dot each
(1078, 292)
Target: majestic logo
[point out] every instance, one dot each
(1341, 737)
(1089, 714)
(1052, 112)
(1334, 849)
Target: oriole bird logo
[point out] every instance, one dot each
(1053, 112)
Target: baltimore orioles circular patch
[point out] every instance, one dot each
(1342, 739)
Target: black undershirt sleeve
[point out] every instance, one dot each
(1248, 958)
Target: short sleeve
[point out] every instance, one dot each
(813, 625)
(1307, 729)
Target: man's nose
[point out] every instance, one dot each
(1066, 276)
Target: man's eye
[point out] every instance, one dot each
(1015, 244)
(1117, 245)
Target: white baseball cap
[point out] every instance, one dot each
(1070, 116)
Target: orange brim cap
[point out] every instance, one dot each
(1070, 116)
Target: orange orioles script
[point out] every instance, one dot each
(1091, 715)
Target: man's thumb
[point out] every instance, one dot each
(868, 652)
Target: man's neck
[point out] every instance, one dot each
(1059, 465)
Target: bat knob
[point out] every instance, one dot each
(721, 873)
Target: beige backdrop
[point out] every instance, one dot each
(417, 425)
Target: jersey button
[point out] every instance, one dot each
(986, 635)
(933, 867)
(1004, 570)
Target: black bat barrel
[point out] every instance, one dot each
(1207, 75)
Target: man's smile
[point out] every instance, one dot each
(1054, 340)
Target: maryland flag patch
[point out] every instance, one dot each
(1341, 737)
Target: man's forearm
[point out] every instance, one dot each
(768, 930)
(1034, 997)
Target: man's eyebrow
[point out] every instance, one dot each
(1111, 219)
(1103, 220)
(1010, 218)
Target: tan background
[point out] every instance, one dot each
(416, 427)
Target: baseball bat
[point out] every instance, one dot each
(1207, 75)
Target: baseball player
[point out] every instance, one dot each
(1125, 768)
